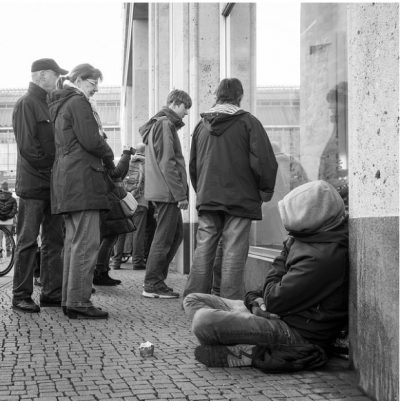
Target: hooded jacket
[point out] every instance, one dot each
(165, 172)
(34, 135)
(78, 181)
(307, 285)
(8, 205)
(231, 162)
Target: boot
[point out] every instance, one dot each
(105, 279)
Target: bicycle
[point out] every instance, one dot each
(7, 250)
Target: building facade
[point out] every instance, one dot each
(108, 105)
(346, 132)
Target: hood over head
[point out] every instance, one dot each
(144, 130)
(312, 207)
(218, 122)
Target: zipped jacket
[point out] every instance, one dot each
(34, 134)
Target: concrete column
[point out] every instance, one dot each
(241, 39)
(373, 48)
(140, 77)
(159, 55)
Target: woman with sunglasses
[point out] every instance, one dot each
(78, 186)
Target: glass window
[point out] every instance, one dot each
(302, 102)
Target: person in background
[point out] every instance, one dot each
(303, 304)
(78, 185)
(8, 209)
(166, 186)
(34, 135)
(232, 169)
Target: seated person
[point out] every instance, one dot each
(304, 301)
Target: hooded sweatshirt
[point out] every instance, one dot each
(231, 162)
(165, 170)
(307, 285)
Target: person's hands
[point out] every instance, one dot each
(183, 204)
(129, 148)
(259, 309)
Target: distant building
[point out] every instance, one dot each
(108, 105)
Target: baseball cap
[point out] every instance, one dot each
(47, 64)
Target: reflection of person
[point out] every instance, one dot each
(35, 141)
(231, 161)
(331, 167)
(303, 303)
(166, 186)
(78, 185)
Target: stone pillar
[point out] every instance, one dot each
(241, 42)
(373, 48)
(140, 77)
(159, 55)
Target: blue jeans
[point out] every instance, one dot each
(224, 321)
(234, 233)
(82, 241)
(32, 214)
(166, 241)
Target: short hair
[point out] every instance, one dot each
(83, 71)
(178, 97)
(230, 90)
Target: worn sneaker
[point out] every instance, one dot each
(224, 356)
(161, 292)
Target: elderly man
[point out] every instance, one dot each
(35, 141)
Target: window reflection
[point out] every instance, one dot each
(307, 125)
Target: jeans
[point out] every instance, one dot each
(82, 241)
(224, 321)
(138, 237)
(166, 241)
(116, 259)
(234, 233)
(32, 214)
(104, 254)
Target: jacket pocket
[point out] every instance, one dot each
(99, 185)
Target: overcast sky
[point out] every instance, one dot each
(74, 32)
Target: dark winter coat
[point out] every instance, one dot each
(231, 161)
(8, 205)
(165, 171)
(34, 135)
(307, 285)
(78, 181)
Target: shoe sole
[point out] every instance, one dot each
(76, 315)
(25, 310)
(155, 295)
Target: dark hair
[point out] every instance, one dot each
(178, 97)
(230, 90)
(83, 71)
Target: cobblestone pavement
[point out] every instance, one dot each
(49, 357)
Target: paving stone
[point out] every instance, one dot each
(49, 357)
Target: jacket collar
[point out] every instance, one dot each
(37, 91)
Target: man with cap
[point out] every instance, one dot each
(34, 135)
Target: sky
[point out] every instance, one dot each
(74, 32)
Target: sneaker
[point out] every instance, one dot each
(224, 356)
(162, 292)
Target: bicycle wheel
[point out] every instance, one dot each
(7, 251)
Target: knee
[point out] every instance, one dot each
(202, 324)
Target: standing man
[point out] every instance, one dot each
(232, 169)
(34, 135)
(166, 186)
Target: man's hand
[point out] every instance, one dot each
(183, 204)
(259, 309)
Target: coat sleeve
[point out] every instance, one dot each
(193, 158)
(86, 129)
(262, 158)
(163, 141)
(26, 136)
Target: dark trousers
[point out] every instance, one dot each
(104, 254)
(166, 241)
(32, 214)
(139, 237)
